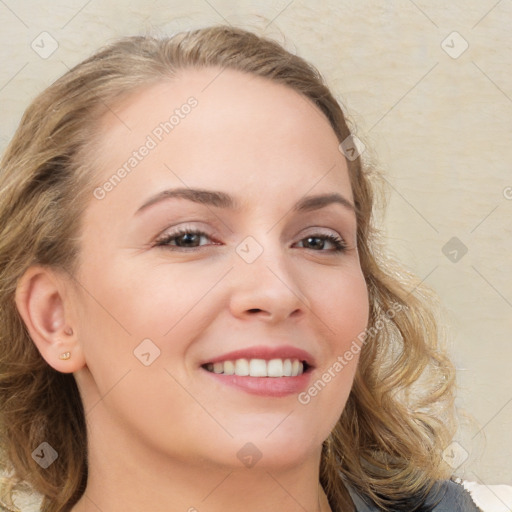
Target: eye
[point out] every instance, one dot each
(184, 239)
(326, 243)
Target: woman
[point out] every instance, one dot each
(195, 311)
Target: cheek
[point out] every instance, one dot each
(343, 305)
(127, 306)
(161, 311)
(148, 300)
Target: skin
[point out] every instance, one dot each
(165, 437)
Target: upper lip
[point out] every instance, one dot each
(265, 352)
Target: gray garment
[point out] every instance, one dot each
(447, 496)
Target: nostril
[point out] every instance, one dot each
(254, 310)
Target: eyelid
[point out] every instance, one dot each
(332, 235)
(318, 230)
(339, 244)
(181, 229)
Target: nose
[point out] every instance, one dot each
(267, 289)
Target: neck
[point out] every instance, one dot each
(124, 474)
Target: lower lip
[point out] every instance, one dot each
(264, 386)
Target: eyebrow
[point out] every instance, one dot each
(207, 197)
(223, 200)
(321, 201)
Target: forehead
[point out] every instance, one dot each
(218, 128)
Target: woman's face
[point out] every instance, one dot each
(221, 238)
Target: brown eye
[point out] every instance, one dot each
(326, 243)
(184, 239)
(314, 242)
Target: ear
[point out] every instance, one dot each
(41, 301)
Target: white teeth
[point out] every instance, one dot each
(242, 367)
(275, 368)
(258, 367)
(229, 368)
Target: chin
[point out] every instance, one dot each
(276, 451)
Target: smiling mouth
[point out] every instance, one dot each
(259, 367)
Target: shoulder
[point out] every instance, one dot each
(448, 496)
(445, 496)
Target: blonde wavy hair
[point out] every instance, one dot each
(388, 442)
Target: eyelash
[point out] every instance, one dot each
(338, 243)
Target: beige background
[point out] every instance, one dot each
(437, 120)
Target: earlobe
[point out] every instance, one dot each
(41, 302)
